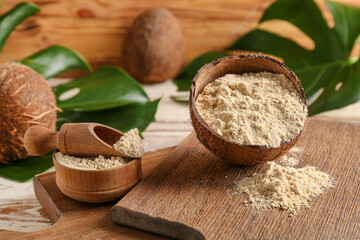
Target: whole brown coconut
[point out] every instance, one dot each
(218, 145)
(153, 47)
(26, 100)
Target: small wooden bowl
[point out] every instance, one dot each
(96, 186)
(221, 147)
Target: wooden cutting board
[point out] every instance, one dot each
(78, 220)
(190, 195)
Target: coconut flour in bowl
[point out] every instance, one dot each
(253, 108)
(91, 163)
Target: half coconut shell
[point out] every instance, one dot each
(218, 145)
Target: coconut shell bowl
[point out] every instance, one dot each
(85, 140)
(221, 147)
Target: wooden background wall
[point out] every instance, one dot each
(95, 28)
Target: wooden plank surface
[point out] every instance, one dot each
(22, 214)
(77, 220)
(191, 194)
(96, 28)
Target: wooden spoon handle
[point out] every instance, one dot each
(39, 140)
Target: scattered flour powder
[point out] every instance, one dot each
(130, 144)
(95, 163)
(290, 158)
(253, 108)
(288, 188)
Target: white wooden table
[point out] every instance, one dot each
(19, 208)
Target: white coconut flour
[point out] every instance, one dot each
(95, 163)
(253, 108)
(288, 188)
(130, 144)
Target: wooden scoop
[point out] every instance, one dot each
(75, 139)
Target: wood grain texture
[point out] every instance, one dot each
(96, 28)
(78, 220)
(97, 186)
(190, 194)
(39, 140)
(22, 214)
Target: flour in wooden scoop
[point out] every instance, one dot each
(130, 144)
(253, 108)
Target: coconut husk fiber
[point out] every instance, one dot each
(26, 100)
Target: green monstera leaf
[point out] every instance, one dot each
(55, 60)
(25, 169)
(12, 18)
(328, 74)
(137, 115)
(107, 87)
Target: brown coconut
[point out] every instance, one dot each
(26, 100)
(153, 47)
(221, 147)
